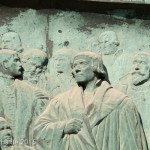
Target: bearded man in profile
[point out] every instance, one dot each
(136, 85)
(18, 100)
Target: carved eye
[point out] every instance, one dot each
(1, 128)
(8, 128)
(74, 65)
(106, 41)
(81, 62)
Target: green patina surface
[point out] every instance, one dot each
(119, 32)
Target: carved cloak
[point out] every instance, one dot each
(110, 122)
(19, 108)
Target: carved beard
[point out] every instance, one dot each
(31, 77)
(138, 77)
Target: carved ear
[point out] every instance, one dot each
(5, 64)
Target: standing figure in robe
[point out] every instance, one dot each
(90, 116)
(63, 74)
(114, 56)
(136, 84)
(34, 62)
(19, 101)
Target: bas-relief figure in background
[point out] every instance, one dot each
(35, 62)
(109, 43)
(113, 56)
(6, 136)
(18, 100)
(90, 116)
(37, 80)
(63, 76)
(12, 41)
(137, 86)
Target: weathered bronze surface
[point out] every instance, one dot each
(74, 80)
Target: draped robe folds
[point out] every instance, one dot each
(20, 110)
(110, 122)
(62, 83)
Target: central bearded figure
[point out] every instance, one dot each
(90, 116)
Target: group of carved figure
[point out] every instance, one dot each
(77, 108)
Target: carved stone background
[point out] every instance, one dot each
(51, 30)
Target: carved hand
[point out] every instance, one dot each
(41, 95)
(41, 99)
(73, 126)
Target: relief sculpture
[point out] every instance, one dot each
(18, 99)
(6, 137)
(113, 56)
(64, 79)
(136, 85)
(109, 43)
(92, 115)
(35, 62)
(85, 96)
(12, 41)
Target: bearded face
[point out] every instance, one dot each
(141, 70)
(139, 78)
(32, 69)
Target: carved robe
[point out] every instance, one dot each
(110, 122)
(44, 81)
(62, 83)
(141, 97)
(18, 105)
(117, 65)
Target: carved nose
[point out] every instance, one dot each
(77, 70)
(137, 68)
(8, 132)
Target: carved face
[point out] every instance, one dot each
(13, 66)
(33, 67)
(5, 133)
(108, 43)
(82, 69)
(141, 70)
(11, 41)
(62, 64)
